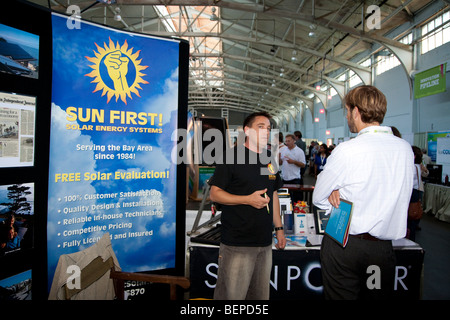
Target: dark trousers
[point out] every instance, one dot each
(364, 269)
(412, 227)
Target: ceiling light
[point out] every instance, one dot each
(117, 15)
(313, 28)
(213, 16)
(282, 72)
(294, 55)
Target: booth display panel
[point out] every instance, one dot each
(296, 272)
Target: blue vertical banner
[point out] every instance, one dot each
(114, 110)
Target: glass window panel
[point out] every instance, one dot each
(446, 34)
(431, 42)
(438, 21)
(424, 45)
(446, 17)
(438, 38)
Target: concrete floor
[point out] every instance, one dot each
(434, 238)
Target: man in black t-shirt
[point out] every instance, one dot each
(246, 186)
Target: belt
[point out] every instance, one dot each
(365, 236)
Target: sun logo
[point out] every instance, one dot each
(271, 168)
(114, 74)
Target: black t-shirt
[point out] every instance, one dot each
(244, 225)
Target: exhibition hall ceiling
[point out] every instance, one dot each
(251, 55)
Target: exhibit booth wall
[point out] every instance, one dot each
(92, 146)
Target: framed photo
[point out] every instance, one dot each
(320, 220)
(17, 130)
(19, 52)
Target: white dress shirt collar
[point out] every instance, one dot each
(375, 129)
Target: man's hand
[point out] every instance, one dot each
(295, 162)
(334, 198)
(281, 240)
(257, 199)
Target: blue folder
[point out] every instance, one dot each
(339, 223)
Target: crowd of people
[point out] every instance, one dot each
(294, 155)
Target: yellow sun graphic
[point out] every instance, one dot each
(116, 71)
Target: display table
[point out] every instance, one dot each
(436, 200)
(296, 271)
(305, 188)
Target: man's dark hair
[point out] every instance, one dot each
(417, 154)
(298, 134)
(249, 120)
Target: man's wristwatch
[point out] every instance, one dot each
(279, 228)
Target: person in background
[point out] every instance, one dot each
(331, 147)
(374, 171)
(302, 145)
(313, 150)
(396, 132)
(423, 174)
(321, 159)
(425, 158)
(417, 195)
(292, 159)
(280, 140)
(299, 142)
